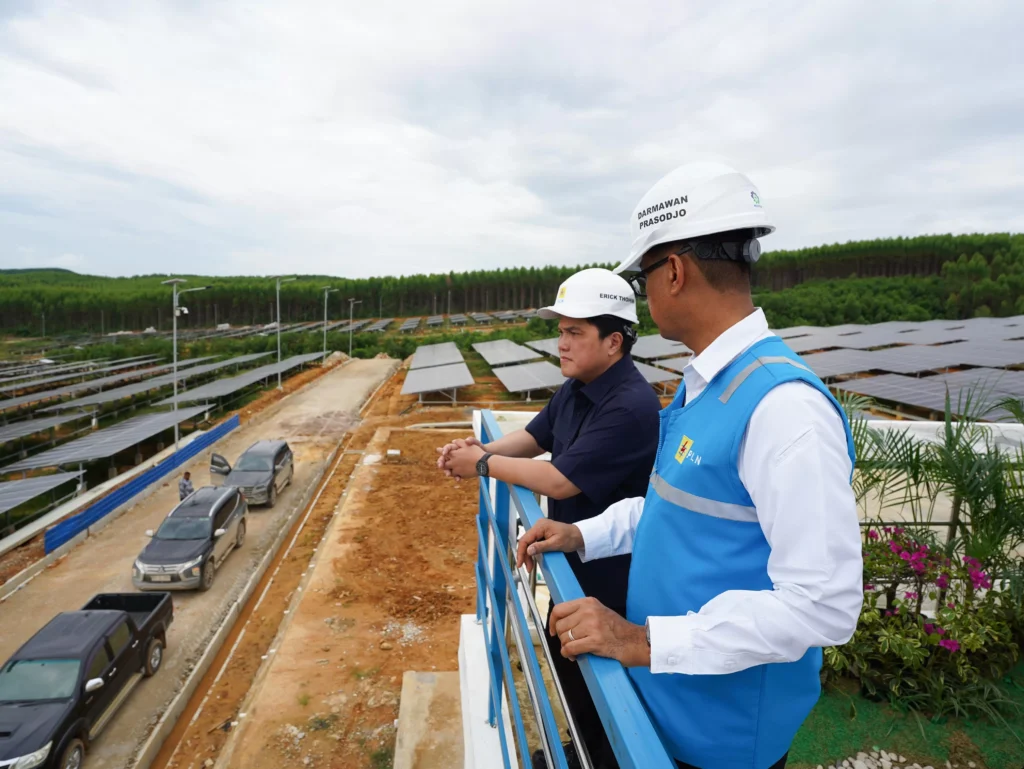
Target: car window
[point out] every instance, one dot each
(184, 527)
(120, 638)
(31, 680)
(221, 518)
(98, 664)
(252, 462)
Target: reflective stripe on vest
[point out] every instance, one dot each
(702, 505)
(741, 377)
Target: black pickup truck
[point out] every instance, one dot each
(62, 687)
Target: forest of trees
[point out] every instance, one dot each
(915, 278)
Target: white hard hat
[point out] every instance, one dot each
(694, 200)
(590, 293)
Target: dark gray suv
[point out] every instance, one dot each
(262, 472)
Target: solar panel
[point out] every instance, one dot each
(437, 378)
(502, 351)
(429, 355)
(480, 317)
(435, 320)
(17, 430)
(14, 493)
(913, 359)
(14, 374)
(110, 396)
(457, 319)
(546, 346)
(993, 354)
(8, 388)
(656, 346)
(229, 385)
(94, 384)
(381, 324)
(838, 362)
(530, 376)
(930, 392)
(656, 375)
(107, 442)
(810, 342)
(675, 364)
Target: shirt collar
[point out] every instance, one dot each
(613, 376)
(730, 344)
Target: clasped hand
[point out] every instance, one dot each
(458, 459)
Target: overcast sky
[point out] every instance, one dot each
(357, 139)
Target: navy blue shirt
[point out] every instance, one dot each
(603, 437)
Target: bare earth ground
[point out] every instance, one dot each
(314, 420)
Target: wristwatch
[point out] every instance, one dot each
(647, 631)
(481, 466)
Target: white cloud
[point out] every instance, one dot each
(394, 137)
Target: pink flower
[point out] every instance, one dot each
(888, 530)
(931, 629)
(911, 596)
(951, 605)
(897, 531)
(873, 534)
(905, 555)
(869, 587)
(889, 613)
(894, 546)
(918, 568)
(949, 643)
(942, 581)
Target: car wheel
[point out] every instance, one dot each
(207, 579)
(240, 537)
(154, 656)
(272, 495)
(73, 756)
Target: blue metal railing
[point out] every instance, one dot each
(69, 528)
(629, 729)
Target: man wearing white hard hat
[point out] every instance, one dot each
(746, 548)
(601, 428)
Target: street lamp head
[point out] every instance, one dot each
(190, 290)
(281, 279)
(173, 282)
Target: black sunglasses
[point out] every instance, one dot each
(638, 280)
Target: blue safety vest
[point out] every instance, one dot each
(698, 537)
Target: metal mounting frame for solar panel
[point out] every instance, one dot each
(111, 396)
(221, 387)
(437, 379)
(546, 346)
(106, 442)
(540, 375)
(674, 364)
(656, 346)
(18, 492)
(430, 355)
(501, 352)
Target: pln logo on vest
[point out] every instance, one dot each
(683, 452)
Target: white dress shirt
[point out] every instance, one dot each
(794, 464)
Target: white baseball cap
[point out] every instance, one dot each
(694, 200)
(590, 293)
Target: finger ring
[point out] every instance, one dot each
(571, 636)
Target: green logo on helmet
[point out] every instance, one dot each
(756, 199)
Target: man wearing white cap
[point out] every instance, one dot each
(746, 548)
(601, 428)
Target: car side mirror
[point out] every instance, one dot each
(220, 533)
(93, 684)
(150, 533)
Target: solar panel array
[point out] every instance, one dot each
(230, 385)
(19, 373)
(430, 355)
(21, 385)
(435, 320)
(546, 346)
(675, 364)
(26, 427)
(94, 384)
(983, 387)
(530, 376)
(458, 319)
(111, 396)
(14, 493)
(381, 324)
(107, 442)
(508, 316)
(656, 375)
(504, 351)
(410, 324)
(481, 317)
(437, 378)
(656, 346)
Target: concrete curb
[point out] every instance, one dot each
(154, 743)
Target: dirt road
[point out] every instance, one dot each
(313, 421)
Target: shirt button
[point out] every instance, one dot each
(673, 660)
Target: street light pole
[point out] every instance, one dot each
(351, 303)
(327, 290)
(280, 280)
(174, 283)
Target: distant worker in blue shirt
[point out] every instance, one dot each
(746, 548)
(601, 428)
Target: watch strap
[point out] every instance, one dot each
(483, 462)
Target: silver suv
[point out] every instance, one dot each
(262, 472)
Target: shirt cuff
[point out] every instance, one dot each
(671, 644)
(596, 538)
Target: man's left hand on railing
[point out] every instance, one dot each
(586, 626)
(445, 455)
